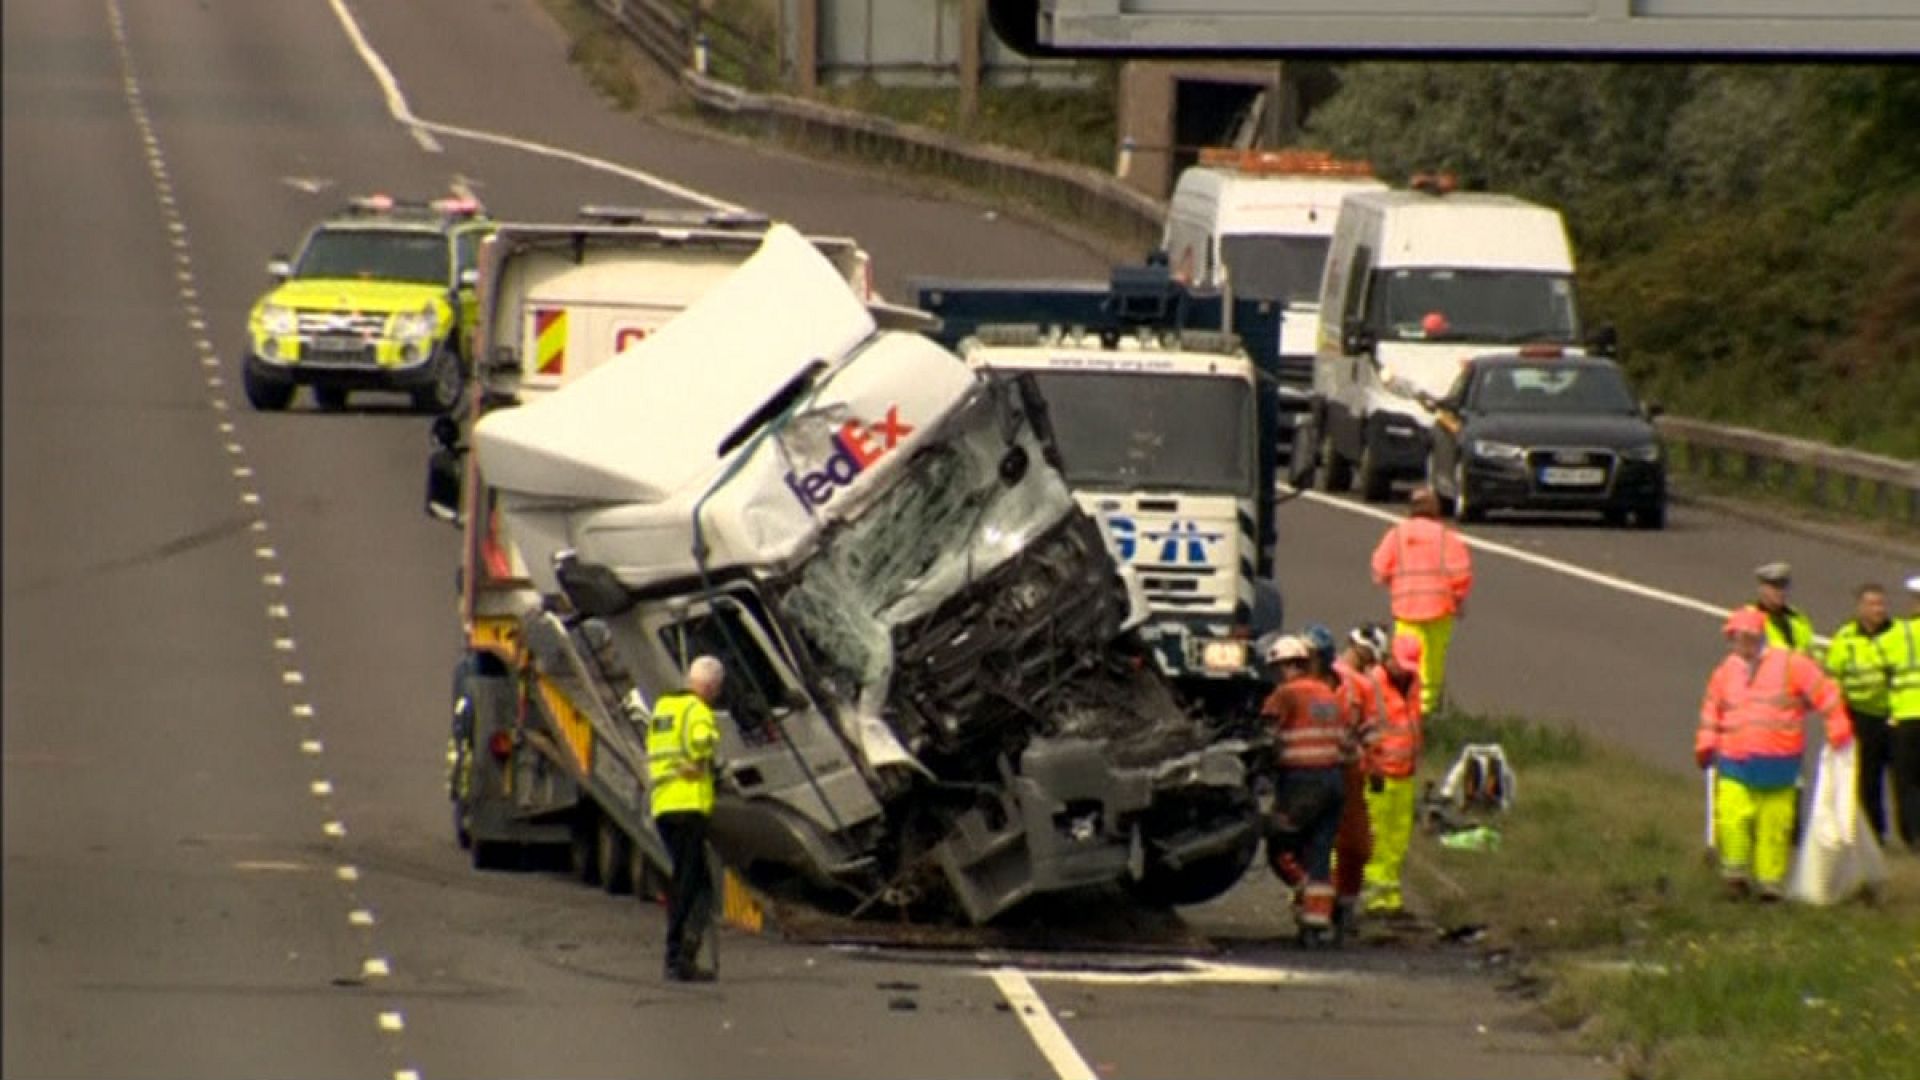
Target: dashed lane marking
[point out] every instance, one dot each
(392, 1021)
(375, 967)
(360, 917)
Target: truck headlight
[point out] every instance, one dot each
(1223, 655)
(1648, 452)
(277, 320)
(1497, 451)
(415, 325)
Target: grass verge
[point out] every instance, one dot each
(1602, 883)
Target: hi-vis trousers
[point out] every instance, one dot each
(1435, 635)
(1754, 831)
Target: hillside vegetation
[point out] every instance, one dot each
(1753, 231)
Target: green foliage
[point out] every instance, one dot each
(1753, 231)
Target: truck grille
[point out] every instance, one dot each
(345, 324)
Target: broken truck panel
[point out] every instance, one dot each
(933, 700)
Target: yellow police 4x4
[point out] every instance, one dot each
(380, 298)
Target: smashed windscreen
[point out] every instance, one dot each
(376, 254)
(1274, 267)
(1506, 306)
(962, 505)
(1139, 432)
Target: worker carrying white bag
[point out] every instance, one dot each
(1837, 858)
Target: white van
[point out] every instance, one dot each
(1416, 283)
(1258, 222)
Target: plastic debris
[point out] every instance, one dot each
(1478, 838)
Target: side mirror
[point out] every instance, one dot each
(469, 277)
(1604, 341)
(591, 588)
(279, 268)
(445, 470)
(1356, 338)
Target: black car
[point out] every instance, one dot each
(1540, 430)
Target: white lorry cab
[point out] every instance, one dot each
(1417, 282)
(934, 702)
(1257, 224)
(1159, 440)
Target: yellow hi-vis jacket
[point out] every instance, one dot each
(1855, 658)
(1900, 644)
(681, 739)
(1799, 634)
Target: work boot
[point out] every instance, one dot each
(1771, 893)
(1738, 888)
(1346, 917)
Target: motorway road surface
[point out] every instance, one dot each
(228, 635)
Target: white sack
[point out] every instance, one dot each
(1837, 857)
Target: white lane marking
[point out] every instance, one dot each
(407, 1074)
(272, 866)
(278, 611)
(347, 873)
(293, 678)
(360, 917)
(321, 788)
(272, 581)
(1042, 1028)
(258, 525)
(303, 711)
(1194, 972)
(242, 472)
(311, 747)
(396, 100)
(1494, 547)
(334, 829)
(375, 967)
(265, 553)
(235, 448)
(284, 644)
(226, 427)
(419, 128)
(392, 1021)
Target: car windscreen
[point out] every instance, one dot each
(1553, 388)
(1152, 432)
(1505, 306)
(1283, 268)
(375, 254)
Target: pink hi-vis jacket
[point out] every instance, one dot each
(1426, 566)
(1760, 710)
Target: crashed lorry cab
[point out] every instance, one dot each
(1418, 282)
(933, 701)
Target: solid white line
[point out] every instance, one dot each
(382, 74)
(1494, 547)
(419, 128)
(1042, 1028)
(1193, 972)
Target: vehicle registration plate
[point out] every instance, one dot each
(337, 343)
(1562, 476)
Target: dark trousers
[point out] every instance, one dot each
(1905, 737)
(690, 896)
(1876, 750)
(1306, 817)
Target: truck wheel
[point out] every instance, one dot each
(1335, 475)
(1200, 881)
(442, 391)
(583, 847)
(612, 855)
(1375, 483)
(264, 394)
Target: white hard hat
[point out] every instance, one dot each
(1913, 584)
(1288, 647)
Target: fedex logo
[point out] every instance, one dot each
(1178, 542)
(856, 446)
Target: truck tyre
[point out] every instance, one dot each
(1375, 483)
(1198, 882)
(1335, 475)
(264, 394)
(613, 855)
(583, 846)
(329, 398)
(444, 383)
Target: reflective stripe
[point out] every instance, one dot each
(1904, 701)
(1397, 753)
(1760, 710)
(1862, 668)
(1309, 722)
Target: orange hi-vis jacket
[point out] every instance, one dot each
(1760, 710)
(1426, 566)
(1310, 723)
(1398, 750)
(1366, 716)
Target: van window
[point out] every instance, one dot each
(753, 684)
(1494, 306)
(1358, 277)
(1286, 269)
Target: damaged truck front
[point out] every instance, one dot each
(935, 702)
